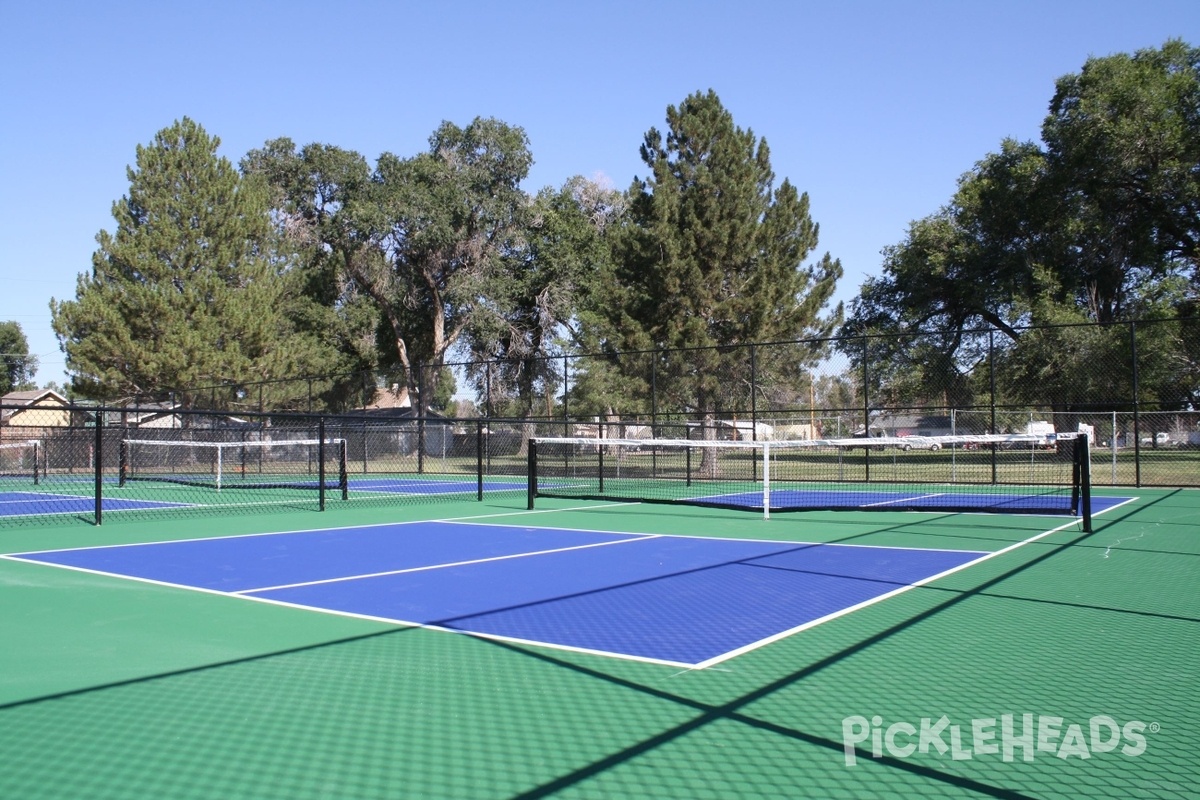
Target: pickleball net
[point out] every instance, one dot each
(1006, 474)
(21, 460)
(316, 464)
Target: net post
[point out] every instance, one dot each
(1083, 458)
(766, 480)
(687, 459)
(531, 474)
(320, 464)
(36, 454)
(220, 465)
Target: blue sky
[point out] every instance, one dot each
(873, 108)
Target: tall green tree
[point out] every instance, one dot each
(419, 241)
(311, 189)
(1098, 224)
(1123, 149)
(439, 226)
(190, 290)
(531, 317)
(712, 255)
(19, 365)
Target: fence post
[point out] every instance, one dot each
(321, 463)
(866, 408)
(364, 445)
(99, 464)
(487, 389)
(654, 393)
(753, 392)
(992, 399)
(566, 389)
(754, 410)
(1137, 433)
(479, 459)
(343, 468)
(420, 419)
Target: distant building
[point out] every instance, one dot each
(733, 430)
(38, 408)
(798, 431)
(910, 425)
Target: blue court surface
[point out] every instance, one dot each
(677, 600)
(25, 504)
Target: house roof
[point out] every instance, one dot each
(910, 420)
(31, 396)
(15, 402)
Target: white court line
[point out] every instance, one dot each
(429, 567)
(31, 497)
(902, 500)
(463, 520)
(878, 599)
(451, 520)
(352, 615)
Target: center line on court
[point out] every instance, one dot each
(443, 566)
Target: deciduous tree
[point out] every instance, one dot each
(19, 365)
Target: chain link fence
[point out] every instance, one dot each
(1132, 388)
(71, 462)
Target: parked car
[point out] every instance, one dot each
(919, 443)
(1160, 439)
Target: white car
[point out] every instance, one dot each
(919, 443)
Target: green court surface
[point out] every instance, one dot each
(1086, 644)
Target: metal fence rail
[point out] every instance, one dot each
(1132, 388)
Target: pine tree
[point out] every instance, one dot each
(713, 255)
(189, 291)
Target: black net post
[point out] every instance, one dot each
(1083, 479)
(36, 455)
